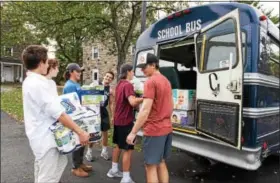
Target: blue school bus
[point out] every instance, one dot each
(229, 54)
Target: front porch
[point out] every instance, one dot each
(11, 70)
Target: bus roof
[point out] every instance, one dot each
(184, 22)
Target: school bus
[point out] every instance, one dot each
(229, 54)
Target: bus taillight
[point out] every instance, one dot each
(263, 17)
(187, 11)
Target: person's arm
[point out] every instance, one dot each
(134, 101)
(130, 95)
(143, 115)
(149, 96)
(51, 106)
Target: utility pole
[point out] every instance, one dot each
(143, 17)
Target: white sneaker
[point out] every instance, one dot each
(105, 155)
(127, 181)
(112, 174)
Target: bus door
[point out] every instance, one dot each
(219, 80)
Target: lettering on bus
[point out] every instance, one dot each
(177, 30)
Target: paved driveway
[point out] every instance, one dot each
(17, 164)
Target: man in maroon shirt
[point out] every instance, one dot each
(125, 101)
(155, 118)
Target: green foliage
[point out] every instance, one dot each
(268, 13)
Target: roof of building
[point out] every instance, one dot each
(10, 60)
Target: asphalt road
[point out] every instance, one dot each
(17, 164)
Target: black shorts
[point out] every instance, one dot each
(105, 123)
(120, 134)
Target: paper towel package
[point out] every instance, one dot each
(91, 95)
(87, 117)
(138, 86)
(184, 99)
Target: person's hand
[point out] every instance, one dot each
(131, 138)
(84, 138)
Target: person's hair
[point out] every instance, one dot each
(110, 72)
(33, 55)
(53, 63)
(156, 65)
(124, 69)
(67, 75)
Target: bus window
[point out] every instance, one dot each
(138, 71)
(165, 63)
(269, 56)
(273, 61)
(219, 45)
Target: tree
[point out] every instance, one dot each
(268, 13)
(72, 23)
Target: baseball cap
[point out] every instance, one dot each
(74, 66)
(145, 59)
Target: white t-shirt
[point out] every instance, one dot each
(53, 88)
(41, 110)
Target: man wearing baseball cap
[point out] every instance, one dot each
(125, 101)
(73, 76)
(155, 118)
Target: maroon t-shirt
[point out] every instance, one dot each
(123, 110)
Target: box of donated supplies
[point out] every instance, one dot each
(182, 118)
(87, 117)
(184, 99)
(90, 95)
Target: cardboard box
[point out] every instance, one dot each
(184, 99)
(182, 118)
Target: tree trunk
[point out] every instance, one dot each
(121, 61)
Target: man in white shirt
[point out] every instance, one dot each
(41, 110)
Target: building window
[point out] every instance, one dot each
(95, 52)
(8, 51)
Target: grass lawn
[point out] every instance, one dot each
(11, 103)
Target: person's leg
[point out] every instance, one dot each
(151, 174)
(162, 171)
(76, 160)
(126, 162)
(128, 149)
(162, 168)
(85, 167)
(153, 148)
(114, 171)
(50, 167)
(105, 126)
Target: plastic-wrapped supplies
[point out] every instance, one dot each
(87, 117)
(138, 86)
(91, 95)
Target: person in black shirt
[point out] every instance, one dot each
(105, 118)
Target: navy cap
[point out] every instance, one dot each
(74, 67)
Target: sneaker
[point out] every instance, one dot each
(127, 181)
(105, 155)
(112, 174)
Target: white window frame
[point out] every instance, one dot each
(92, 52)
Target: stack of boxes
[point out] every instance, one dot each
(184, 107)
